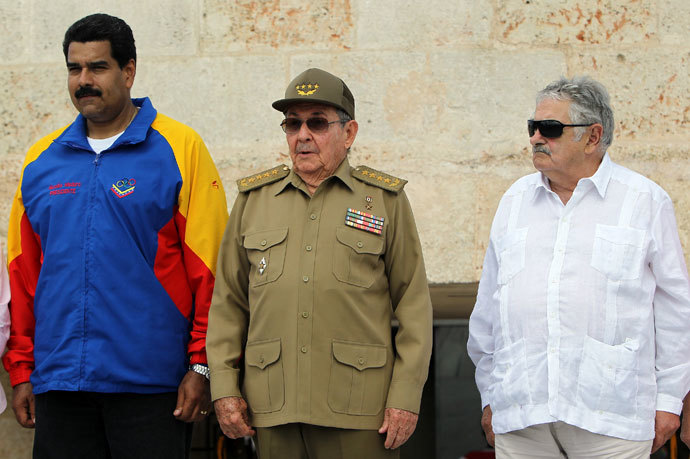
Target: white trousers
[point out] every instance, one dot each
(561, 440)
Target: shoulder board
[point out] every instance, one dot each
(262, 178)
(379, 179)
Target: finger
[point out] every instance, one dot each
(406, 431)
(32, 410)
(191, 407)
(384, 427)
(22, 413)
(391, 437)
(393, 428)
(656, 444)
(238, 424)
(180, 402)
(409, 430)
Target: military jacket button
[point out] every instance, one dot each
(304, 349)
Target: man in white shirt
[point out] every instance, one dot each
(579, 333)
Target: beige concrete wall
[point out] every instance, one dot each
(443, 90)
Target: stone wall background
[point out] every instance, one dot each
(443, 89)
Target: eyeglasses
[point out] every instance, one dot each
(315, 125)
(551, 129)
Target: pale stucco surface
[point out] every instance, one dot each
(443, 90)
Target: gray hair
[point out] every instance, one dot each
(344, 117)
(589, 103)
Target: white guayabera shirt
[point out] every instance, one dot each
(583, 311)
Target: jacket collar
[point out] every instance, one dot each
(75, 134)
(342, 173)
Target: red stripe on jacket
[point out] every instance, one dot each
(188, 281)
(23, 271)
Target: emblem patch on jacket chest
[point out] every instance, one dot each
(123, 187)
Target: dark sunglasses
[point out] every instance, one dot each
(315, 125)
(551, 129)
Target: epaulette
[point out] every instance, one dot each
(379, 179)
(262, 178)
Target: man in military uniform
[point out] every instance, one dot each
(315, 263)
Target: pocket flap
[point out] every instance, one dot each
(623, 235)
(262, 240)
(360, 241)
(360, 356)
(623, 356)
(263, 353)
(515, 237)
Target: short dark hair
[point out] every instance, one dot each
(103, 27)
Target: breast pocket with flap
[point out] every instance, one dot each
(618, 252)
(357, 257)
(266, 254)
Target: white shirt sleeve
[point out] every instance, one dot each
(480, 344)
(671, 312)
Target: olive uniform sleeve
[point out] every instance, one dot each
(411, 303)
(229, 313)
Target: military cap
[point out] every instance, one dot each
(319, 87)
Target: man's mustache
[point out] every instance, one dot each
(541, 149)
(85, 91)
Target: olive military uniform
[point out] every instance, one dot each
(305, 292)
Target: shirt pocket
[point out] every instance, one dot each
(608, 377)
(511, 381)
(356, 257)
(263, 380)
(266, 254)
(358, 375)
(511, 254)
(618, 252)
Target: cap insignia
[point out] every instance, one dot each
(306, 89)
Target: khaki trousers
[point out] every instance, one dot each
(305, 441)
(561, 440)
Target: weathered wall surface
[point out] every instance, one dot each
(443, 90)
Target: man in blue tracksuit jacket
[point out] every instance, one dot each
(112, 246)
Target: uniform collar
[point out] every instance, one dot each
(600, 179)
(75, 134)
(342, 173)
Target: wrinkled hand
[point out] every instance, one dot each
(193, 397)
(398, 425)
(232, 417)
(23, 405)
(665, 425)
(486, 425)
